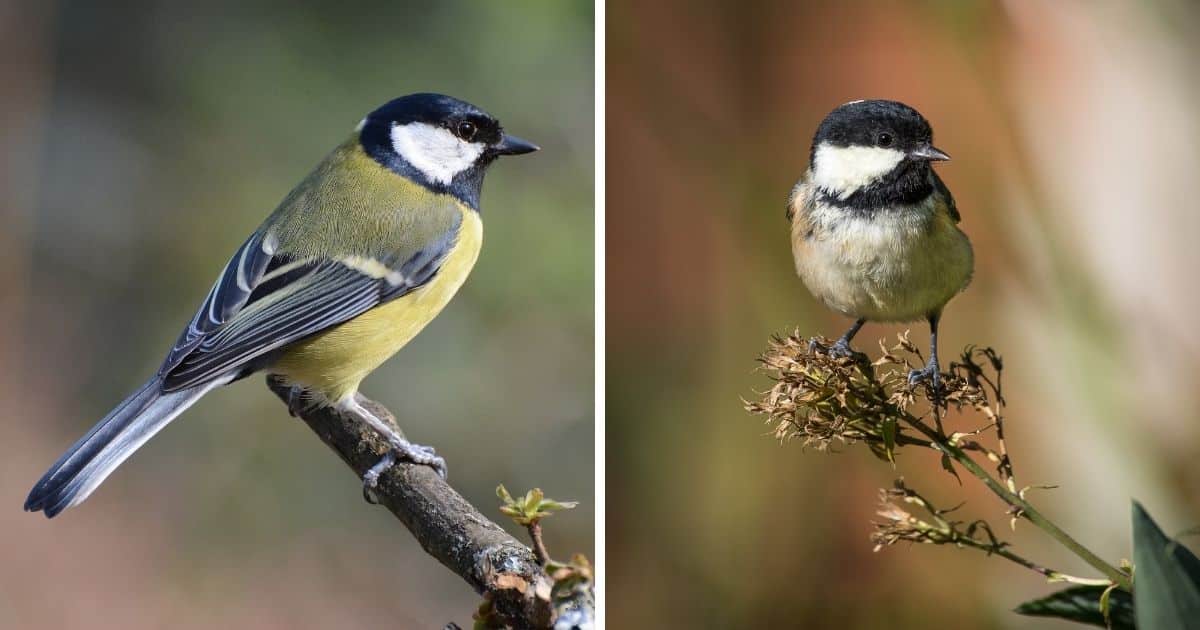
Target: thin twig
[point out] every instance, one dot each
(1050, 574)
(1024, 508)
(996, 413)
(539, 548)
(898, 524)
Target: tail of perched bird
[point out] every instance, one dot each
(96, 455)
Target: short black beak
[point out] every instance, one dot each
(928, 152)
(512, 145)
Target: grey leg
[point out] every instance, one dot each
(401, 448)
(932, 371)
(841, 347)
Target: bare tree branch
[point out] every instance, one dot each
(447, 526)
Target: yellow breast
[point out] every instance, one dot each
(334, 362)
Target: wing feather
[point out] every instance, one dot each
(228, 295)
(941, 188)
(263, 302)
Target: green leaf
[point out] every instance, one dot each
(950, 467)
(1105, 606)
(1167, 586)
(878, 450)
(1082, 604)
(550, 505)
(888, 430)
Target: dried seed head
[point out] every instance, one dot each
(822, 399)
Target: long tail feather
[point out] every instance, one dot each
(96, 455)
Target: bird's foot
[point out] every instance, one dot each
(841, 348)
(402, 450)
(931, 373)
(299, 401)
(838, 349)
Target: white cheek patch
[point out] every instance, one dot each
(434, 151)
(843, 170)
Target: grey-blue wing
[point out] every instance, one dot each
(228, 295)
(257, 307)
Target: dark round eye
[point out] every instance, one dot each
(466, 130)
(885, 139)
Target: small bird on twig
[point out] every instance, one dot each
(874, 229)
(357, 259)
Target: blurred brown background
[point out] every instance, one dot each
(141, 142)
(1074, 136)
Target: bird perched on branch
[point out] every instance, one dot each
(354, 262)
(874, 229)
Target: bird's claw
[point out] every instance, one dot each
(402, 450)
(837, 350)
(841, 348)
(931, 373)
(296, 403)
(371, 477)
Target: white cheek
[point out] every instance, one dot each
(843, 170)
(434, 151)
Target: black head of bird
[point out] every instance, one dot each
(872, 152)
(442, 142)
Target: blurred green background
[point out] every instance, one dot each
(141, 142)
(1074, 133)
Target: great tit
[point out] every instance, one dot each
(354, 262)
(874, 229)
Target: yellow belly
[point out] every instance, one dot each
(334, 362)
